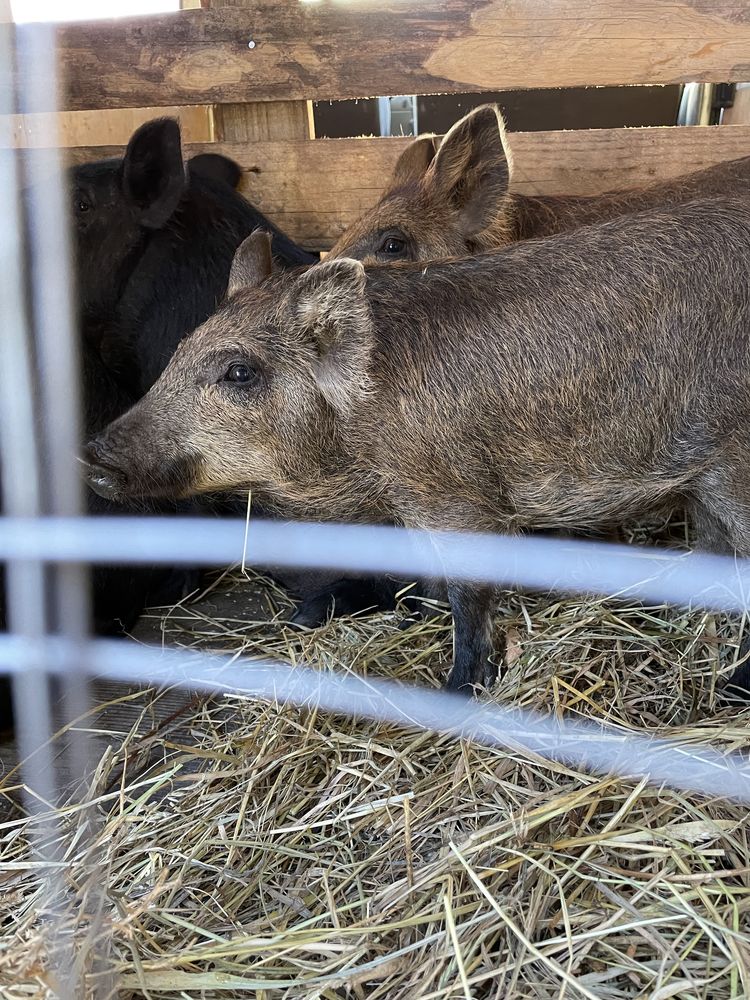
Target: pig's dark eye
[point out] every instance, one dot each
(392, 246)
(240, 374)
(82, 206)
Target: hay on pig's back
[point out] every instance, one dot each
(273, 852)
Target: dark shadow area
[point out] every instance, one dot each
(524, 110)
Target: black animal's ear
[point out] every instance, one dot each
(153, 174)
(471, 169)
(413, 163)
(216, 167)
(252, 264)
(330, 306)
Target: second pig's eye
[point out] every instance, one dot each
(241, 374)
(392, 246)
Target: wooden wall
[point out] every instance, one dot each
(315, 189)
(259, 63)
(107, 128)
(322, 50)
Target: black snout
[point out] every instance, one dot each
(103, 477)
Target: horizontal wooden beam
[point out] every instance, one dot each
(315, 189)
(271, 50)
(84, 128)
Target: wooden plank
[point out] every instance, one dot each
(263, 121)
(106, 128)
(289, 50)
(259, 122)
(315, 189)
(739, 113)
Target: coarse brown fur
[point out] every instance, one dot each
(452, 199)
(572, 383)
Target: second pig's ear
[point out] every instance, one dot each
(331, 309)
(413, 163)
(471, 170)
(252, 263)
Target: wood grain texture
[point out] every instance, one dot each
(739, 113)
(106, 128)
(261, 121)
(315, 189)
(328, 50)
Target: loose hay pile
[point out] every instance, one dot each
(251, 850)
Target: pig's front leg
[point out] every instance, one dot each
(472, 607)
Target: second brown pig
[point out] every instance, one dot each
(452, 198)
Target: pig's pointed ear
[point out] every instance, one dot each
(331, 308)
(471, 169)
(252, 264)
(413, 163)
(153, 174)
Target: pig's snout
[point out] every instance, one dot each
(102, 474)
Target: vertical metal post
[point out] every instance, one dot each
(21, 460)
(57, 362)
(38, 438)
(398, 115)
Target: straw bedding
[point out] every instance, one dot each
(244, 849)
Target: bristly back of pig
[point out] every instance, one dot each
(564, 383)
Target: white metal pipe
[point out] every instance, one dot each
(606, 749)
(661, 575)
(19, 450)
(58, 355)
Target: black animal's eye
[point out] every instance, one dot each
(240, 374)
(392, 245)
(82, 206)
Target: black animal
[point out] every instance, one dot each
(153, 243)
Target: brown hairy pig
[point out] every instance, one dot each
(452, 199)
(569, 384)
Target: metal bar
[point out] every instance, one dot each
(38, 448)
(603, 748)
(21, 461)
(58, 360)
(662, 575)
(695, 104)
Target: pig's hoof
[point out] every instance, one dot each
(490, 674)
(406, 623)
(458, 684)
(483, 677)
(736, 688)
